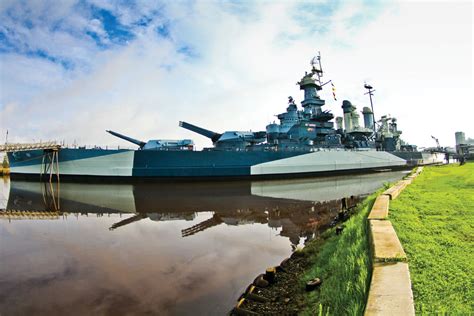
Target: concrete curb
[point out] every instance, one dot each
(380, 207)
(385, 244)
(390, 288)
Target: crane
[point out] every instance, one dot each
(437, 141)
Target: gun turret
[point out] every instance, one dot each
(159, 144)
(132, 140)
(204, 132)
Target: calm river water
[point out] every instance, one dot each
(167, 249)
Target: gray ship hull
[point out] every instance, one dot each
(421, 158)
(155, 164)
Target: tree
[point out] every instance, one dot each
(5, 164)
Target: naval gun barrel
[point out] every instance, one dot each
(204, 132)
(129, 139)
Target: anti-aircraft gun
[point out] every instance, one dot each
(158, 144)
(229, 140)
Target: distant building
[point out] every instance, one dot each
(464, 146)
(460, 138)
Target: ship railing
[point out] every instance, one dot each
(50, 214)
(52, 145)
(20, 214)
(30, 146)
(97, 147)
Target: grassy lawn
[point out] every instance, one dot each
(434, 220)
(343, 263)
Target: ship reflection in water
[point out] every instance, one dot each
(168, 249)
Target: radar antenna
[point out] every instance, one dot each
(316, 68)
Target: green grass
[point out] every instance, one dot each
(344, 264)
(434, 220)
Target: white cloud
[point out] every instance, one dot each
(417, 55)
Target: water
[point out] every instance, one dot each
(167, 249)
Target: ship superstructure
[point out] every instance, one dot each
(303, 142)
(312, 128)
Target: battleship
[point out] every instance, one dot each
(304, 142)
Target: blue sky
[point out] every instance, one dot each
(69, 70)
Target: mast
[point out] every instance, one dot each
(317, 71)
(370, 92)
(311, 84)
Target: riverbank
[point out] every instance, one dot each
(344, 266)
(434, 220)
(340, 259)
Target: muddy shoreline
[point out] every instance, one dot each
(282, 293)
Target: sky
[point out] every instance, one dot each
(69, 70)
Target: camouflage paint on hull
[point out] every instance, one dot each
(200, 164)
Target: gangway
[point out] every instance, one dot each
(29, 146)
(50, 161)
